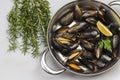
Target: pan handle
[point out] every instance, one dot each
(45, 66)
(114, 3)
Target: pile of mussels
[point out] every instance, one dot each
(79, 39)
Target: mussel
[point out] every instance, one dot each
(79, 67)
(89, 34)
(69, 36)
(78, 27)
(106, 59)
(74, 66)
(98, 63)
(91, 20)
(90, 13)
(87, 55)
(85, 62)
(101, 13)
(77, 13)
(74, 54)
(66, 19)
(114, 28)
(87, 45)
(98, 51)
(62, 30)
(115, 45)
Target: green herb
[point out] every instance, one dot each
(106, 44)
(28, 21)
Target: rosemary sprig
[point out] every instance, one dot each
(28, 21)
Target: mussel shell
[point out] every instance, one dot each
(74, 66)
(69, 36)
(88, 55)
(67, 19)
(77, 13)
(114, 28)
(101, 14)
(74, 54)
(87, 45)
(90, 13)
(109, 16)
(74, 46)
(106, 59)
(78, 27)
(115, 42)
(98, 63)
(89, 34)
(79, 66)
(59, 46)
(85, 62)
(88, 7)
(91, 20)
(62, 30)
(98, 51)
(115, 45)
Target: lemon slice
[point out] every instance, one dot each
(103, 29)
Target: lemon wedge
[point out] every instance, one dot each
(103, 29)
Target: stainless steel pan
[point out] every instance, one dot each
(62, 59)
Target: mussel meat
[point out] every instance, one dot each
(74, 54)
(62, 30)
(74, 66)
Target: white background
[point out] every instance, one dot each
(16, 66)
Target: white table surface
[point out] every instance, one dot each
(16, 66)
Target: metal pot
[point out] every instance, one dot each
(62, 59)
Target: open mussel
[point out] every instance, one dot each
(74, 54)
(62, 30)
(79, 67)
(60, 47)
(63, 40)
(69, 36)
(98, 51)
(74, 66)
